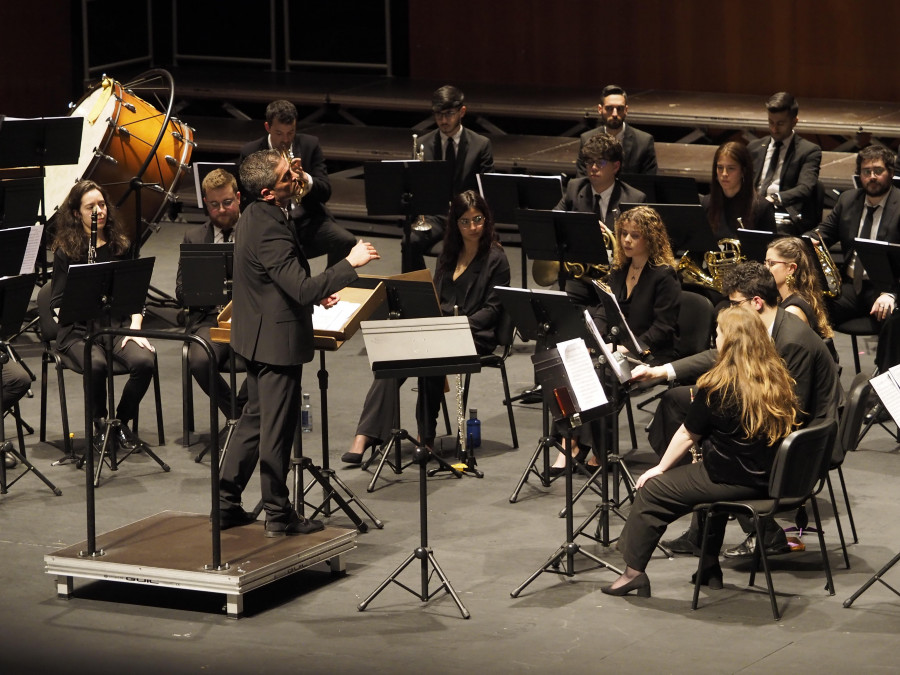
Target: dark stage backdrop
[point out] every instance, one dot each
(813, 48)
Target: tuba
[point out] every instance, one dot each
(546, 272)
(717, 262)
(829, 269)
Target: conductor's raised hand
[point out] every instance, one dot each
(362, 254)
(330, 301)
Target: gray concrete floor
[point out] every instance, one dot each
(487, 546)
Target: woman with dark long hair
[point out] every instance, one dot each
(70, 247)
(743, 408)
(732, 202)
(471, 263)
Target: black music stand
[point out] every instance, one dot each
(20, 201)
(13, 249)
(686, 225)
(554, 381)
(15, 294)
(100, 292)
(881, 261)
(508, 192)
(664, 189)
(755, 243)
(407, 188)
(206, 271)
(402, 348)
(548, 317)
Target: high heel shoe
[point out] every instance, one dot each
(357, 457)
(641, 584)
(709, 576)
(577, 458)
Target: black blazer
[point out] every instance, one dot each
(842, 224)
(638, 152)
(765, 219)
(306, 147)
(580, 197)
(799, 173)
(273, 291)
(818, 385)
(652, 311)
(474, 155)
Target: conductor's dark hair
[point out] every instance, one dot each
(783, 101)
(751, 279)
(447, 98)
(874, 153)
(453, 242)
(258, 171)
(281, 111)
(613, 90)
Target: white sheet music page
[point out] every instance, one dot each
(587, 393)
(887, 386)
(615, 363)
(334, 318)
(32, 249)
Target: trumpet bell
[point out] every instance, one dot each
(421, 225)
(545, 272)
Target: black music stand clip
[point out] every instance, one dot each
(103, 291)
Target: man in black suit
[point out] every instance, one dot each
(319, 233)
(469, 155)
(869, 212)
(639, 153)
(807, 358)
(785, 166)
(222, 200)
(272, 330)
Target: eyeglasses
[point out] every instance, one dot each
(873, 171)
(771, 263)
(215, 206)
(738, 303)
(477, 221)
(601, 163)
(446, 114)
(614, 108)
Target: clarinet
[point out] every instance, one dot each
(460, 417)
(92, 249)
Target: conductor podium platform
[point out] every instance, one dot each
(171, 549)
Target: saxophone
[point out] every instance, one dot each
(717, 262)
(829, 269)
(303, 185)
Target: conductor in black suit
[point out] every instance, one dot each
(869, 212)
(272, 303)
(638, 150)
(786, 167)
(319, 233)
(223, 204)
(468, 153)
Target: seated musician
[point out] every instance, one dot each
(471, 264)
(645, 284)
(798, 286)
(16, 383)
(733, 202)
(815, 374)
(745, 405)
(223, 204)
(869, 212)
(70, 246)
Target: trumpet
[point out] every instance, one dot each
(546, 272)
(303, 185)
(418, 153)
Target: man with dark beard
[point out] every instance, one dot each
(638, 152)
(869, 212)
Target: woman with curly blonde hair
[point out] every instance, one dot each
(744, 406)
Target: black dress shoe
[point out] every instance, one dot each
(296, 525)
(533, 395)
(229, 518)
(9, 461)
(683, 544)
(352, 457)
(641, 584)
(709, 576)
(747, 548)
(127, 439)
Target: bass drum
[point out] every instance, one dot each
(119, 132)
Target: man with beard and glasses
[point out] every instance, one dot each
(869, 212)
(638, 152)
(222, 201)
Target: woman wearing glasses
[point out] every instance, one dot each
(471, 263)
(744, 406)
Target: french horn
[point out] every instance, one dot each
(717, 262)
(546, 272)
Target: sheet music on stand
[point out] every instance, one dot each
(609, 301)
(19, 248)
(887, 386)
(616, 361)
(334, 317)
(584, 385)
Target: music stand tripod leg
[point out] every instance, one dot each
(544, 445)
(875, 577)
(321, 479)
(422, 553)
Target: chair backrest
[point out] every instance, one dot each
(505, 331)
(48, 324)
(852, 418)
(696, 317)
(802, 460)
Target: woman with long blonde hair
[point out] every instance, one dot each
(742, 409)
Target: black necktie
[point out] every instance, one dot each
(770, 171)
(865, 232)
(226, 236)
(598, 205)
